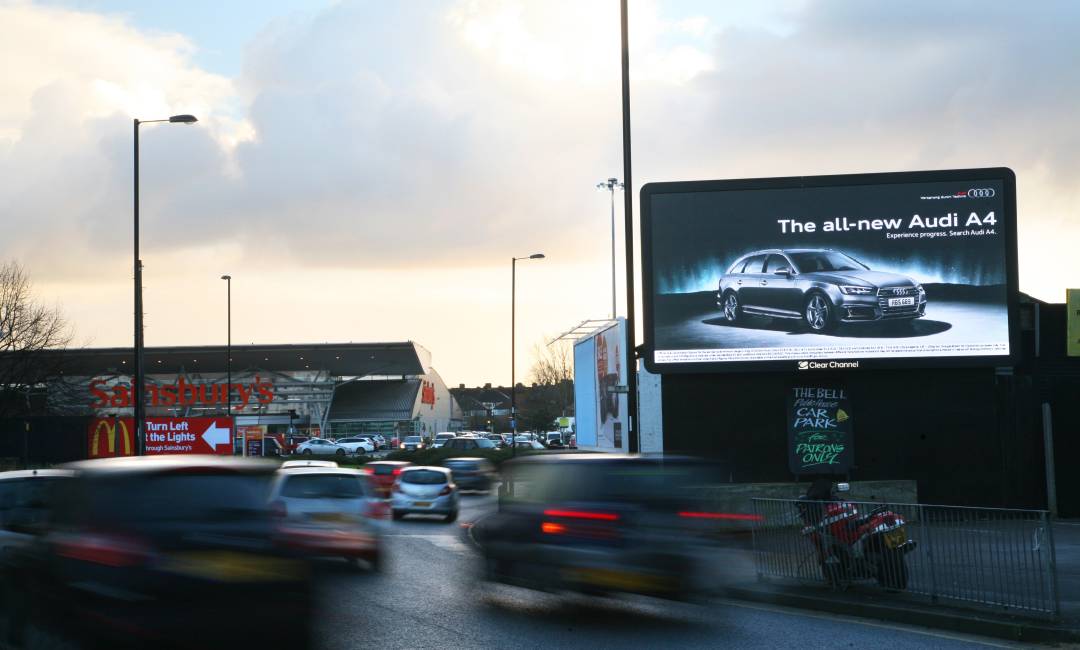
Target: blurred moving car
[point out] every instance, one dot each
(603, 524)
(441, 439)
(412, 443)
(471, 473)
(357, 445)
(26, 503)
(156, 551)
(383, 473)
(321, 447)
(328, 511)
(528, 444)
(308, 463)
(425, 490)
(467, 443)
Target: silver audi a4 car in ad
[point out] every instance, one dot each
(819, 287)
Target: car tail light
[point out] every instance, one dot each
(397, 470)
(104, 549)
(445, 491)
(278, 509)
(552, 528)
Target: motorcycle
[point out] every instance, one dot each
(855, 545)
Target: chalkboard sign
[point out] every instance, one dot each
(819, 430)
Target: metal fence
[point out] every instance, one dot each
(983, 557)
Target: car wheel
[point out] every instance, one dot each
(732, 308)
(306, 452)
(340, 452)
(818, 314)
(452, 517)
(397, 515)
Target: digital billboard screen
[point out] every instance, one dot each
(830, 272)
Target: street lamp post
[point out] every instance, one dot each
(513, 349)
(611, 185)
(138, 379)
(228, 357)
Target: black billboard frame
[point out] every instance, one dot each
(1003, 174)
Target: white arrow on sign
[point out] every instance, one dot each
(215, 435)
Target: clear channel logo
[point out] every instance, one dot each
(827, 365)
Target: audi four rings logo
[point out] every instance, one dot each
(981, 193)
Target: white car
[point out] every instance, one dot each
(441, 438)
(328, 511)
(357, 445)
(320, 447)
(308, 463)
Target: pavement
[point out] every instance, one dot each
(429, 596)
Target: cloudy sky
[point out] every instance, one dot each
(365, 170)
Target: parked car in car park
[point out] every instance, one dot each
(528, 444)
(133, 542)
(554, 440)
(357, 445)
(321, 447)
(412, 443)
(473, 474)
(441, 438)
(466, 443)
(425, 490)
(380, 441)
(328, 511)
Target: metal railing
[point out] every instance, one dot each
(982, 557)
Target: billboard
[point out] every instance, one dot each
(600, 375)
(830, 272)
(108, 437)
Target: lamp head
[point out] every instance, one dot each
(184, 119)
(536, 256)
(226, 277)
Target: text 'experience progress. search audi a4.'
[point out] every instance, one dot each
(821, 288)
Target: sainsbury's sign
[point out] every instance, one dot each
(182, 393)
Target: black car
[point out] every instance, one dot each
(165, 551)
(819, 287)
(603, 524)
(471, 473)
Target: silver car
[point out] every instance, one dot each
(328, 511)
(425, 490)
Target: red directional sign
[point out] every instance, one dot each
(163, 436)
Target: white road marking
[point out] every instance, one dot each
(442, 541)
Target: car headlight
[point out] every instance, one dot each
(403, 445)
(851, 290)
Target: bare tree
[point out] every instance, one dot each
(31, 335)
(553, 378)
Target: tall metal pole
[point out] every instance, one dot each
(614, 312)
(137, 379)
(228, 358)
(631, 347)
(513, 365)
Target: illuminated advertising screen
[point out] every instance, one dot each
(830, 272)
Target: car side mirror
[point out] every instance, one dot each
(784, 272)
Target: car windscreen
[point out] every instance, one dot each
(423, 477)
(383, 470)
(412, 439)
(323, 486)
(136, 499)
(827, 261)
(459, 465)
(647, 484)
